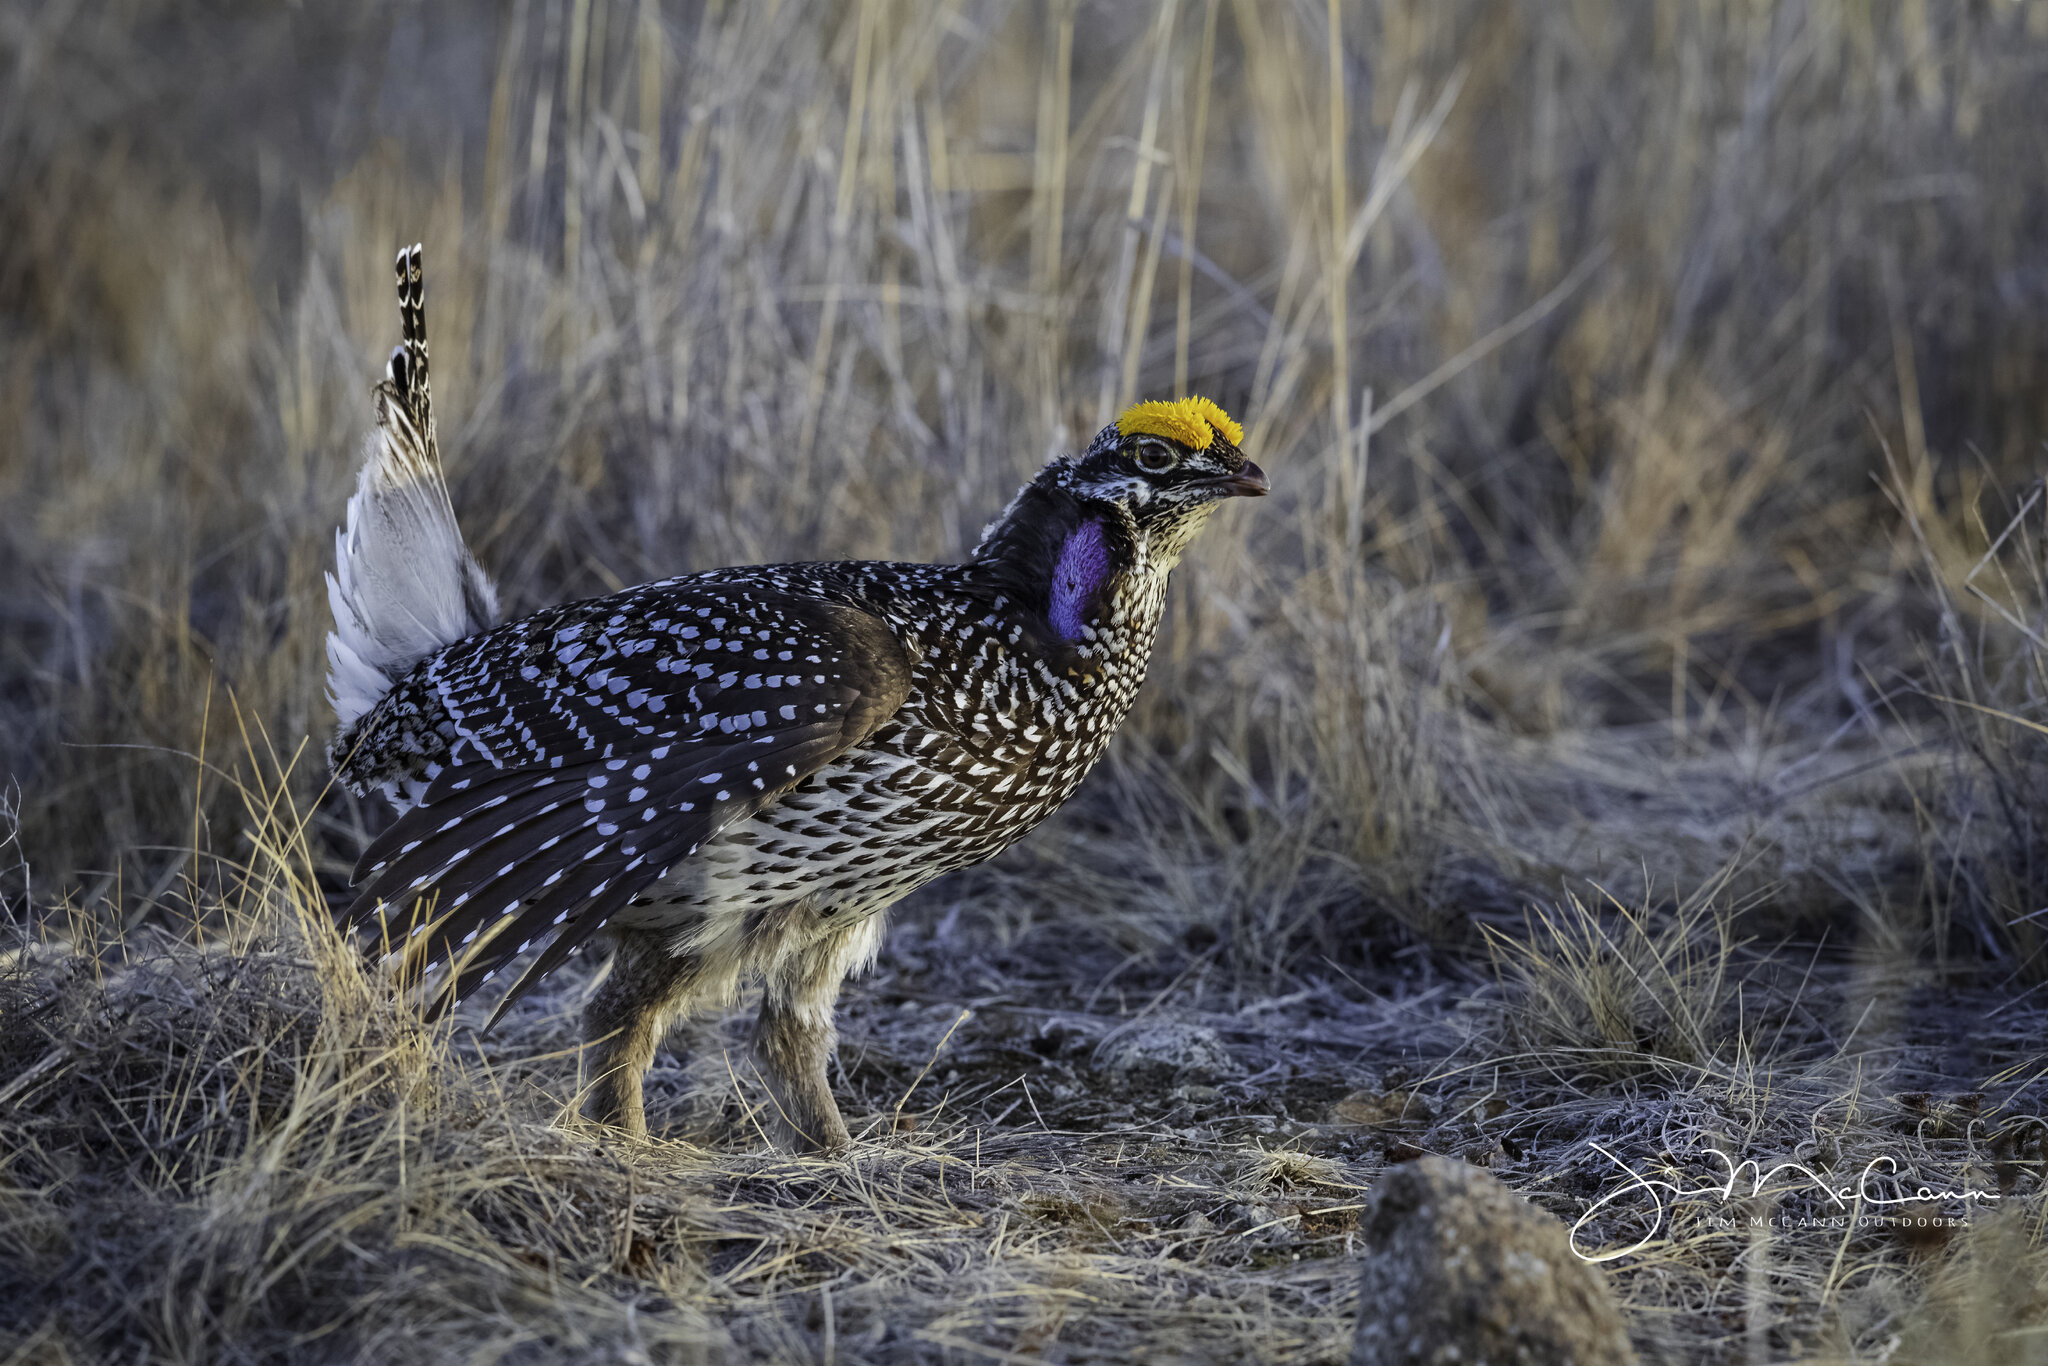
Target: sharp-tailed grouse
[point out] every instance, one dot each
(732, 774)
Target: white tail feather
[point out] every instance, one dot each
(404, 583)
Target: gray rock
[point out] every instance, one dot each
(1164, 1051)
(1461, 1270)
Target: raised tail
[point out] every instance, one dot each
(404, 584)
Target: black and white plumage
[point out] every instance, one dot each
(404, 583)
(734, 772)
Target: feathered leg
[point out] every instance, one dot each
(795, 1034)
(648, 986)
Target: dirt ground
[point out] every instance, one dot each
(1067, 1150)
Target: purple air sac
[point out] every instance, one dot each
(1078, 578)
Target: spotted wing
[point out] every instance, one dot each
(598, 745)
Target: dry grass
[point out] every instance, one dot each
(1607, 986)
(1653, 400)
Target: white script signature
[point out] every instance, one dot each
(1867, 1190)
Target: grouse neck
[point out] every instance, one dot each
(1076, 566)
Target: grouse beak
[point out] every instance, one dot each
(1249, 482)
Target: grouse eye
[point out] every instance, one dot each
(1154, 458)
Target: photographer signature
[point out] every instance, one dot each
(1867, 1190)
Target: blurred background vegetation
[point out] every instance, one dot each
(1646, 389)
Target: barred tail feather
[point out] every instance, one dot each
(404, 583)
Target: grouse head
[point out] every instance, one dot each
(1124, 508)
(1164, 460)
(1161, 469)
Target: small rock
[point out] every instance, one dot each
(1376, 1108)
(1165, 1051)
(1487, 1152)
(1459, 1269)
(1253, 1224)
(1245, 1214)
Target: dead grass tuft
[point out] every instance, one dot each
(1618, 987)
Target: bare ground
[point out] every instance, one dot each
(1069, 1150)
